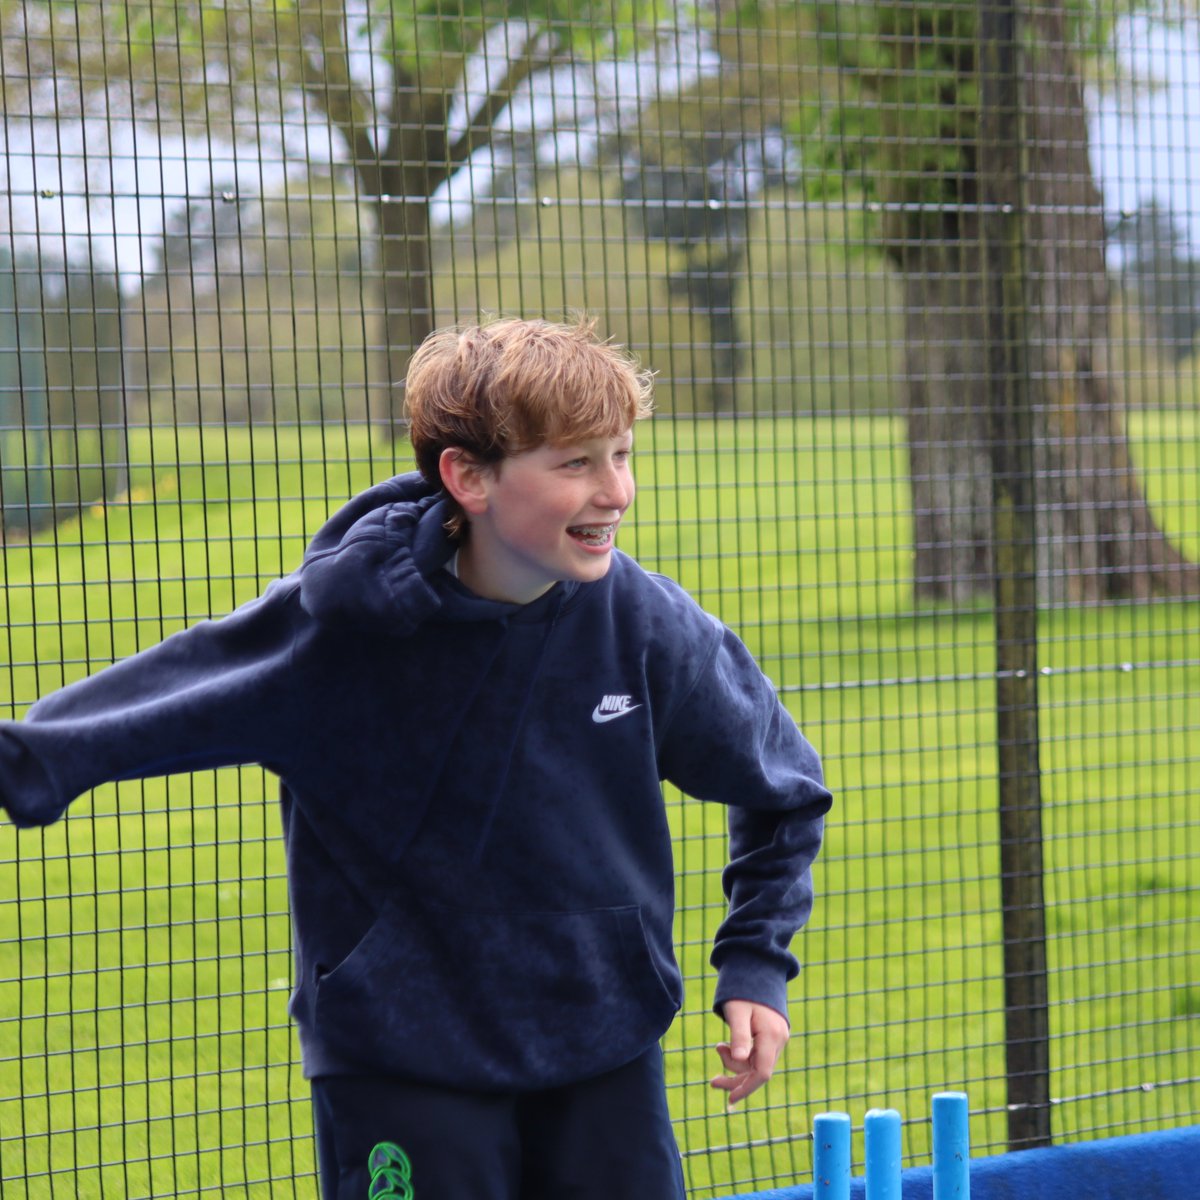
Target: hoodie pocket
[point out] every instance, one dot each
(495, 1001)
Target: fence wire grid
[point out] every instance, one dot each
(921, 286)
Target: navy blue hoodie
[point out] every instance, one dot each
(479, 860)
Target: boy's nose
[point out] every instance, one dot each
(615, 489)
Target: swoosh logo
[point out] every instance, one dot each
(601, 717)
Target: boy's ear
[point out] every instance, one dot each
(465, 478)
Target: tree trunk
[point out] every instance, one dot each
(401, 180)
(407, 300)
(1097, 538)
(948, 424)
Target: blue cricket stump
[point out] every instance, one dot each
(881, 1129)
(882, 1134)
(831, 1156)
(951, 1147)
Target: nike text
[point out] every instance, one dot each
(612, 707)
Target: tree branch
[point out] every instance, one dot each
(536, 53)
(326, 80)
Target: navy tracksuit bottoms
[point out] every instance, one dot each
(385, 1139)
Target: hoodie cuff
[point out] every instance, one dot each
(27, 791)
(749, 977)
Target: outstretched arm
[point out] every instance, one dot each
(213, 695)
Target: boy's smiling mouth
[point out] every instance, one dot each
(593, 535)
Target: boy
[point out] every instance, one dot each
(470, 698)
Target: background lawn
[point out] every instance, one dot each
(144, 966)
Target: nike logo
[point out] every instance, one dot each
(612, 707)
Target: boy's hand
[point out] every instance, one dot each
(757, 1035)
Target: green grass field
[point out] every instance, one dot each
(144, 965)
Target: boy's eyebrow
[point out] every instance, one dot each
(576, 443)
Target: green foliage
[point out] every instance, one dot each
(906, 123)
(168, 51)
(904, 120)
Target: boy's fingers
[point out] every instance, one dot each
(767, 1050)
(741, 1034)
(757, 1036)
(740, 1084)
(725, 1053)
(735, 1071)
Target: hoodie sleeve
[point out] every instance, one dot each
(210, 696)
(732, 741)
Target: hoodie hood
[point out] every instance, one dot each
(377, 564)
(372, 562)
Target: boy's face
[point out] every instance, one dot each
(547, 514)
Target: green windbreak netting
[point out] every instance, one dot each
(921, 286)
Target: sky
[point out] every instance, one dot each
(1145, 131)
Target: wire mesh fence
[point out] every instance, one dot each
(920, 288)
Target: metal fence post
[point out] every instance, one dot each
(1014, 494)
